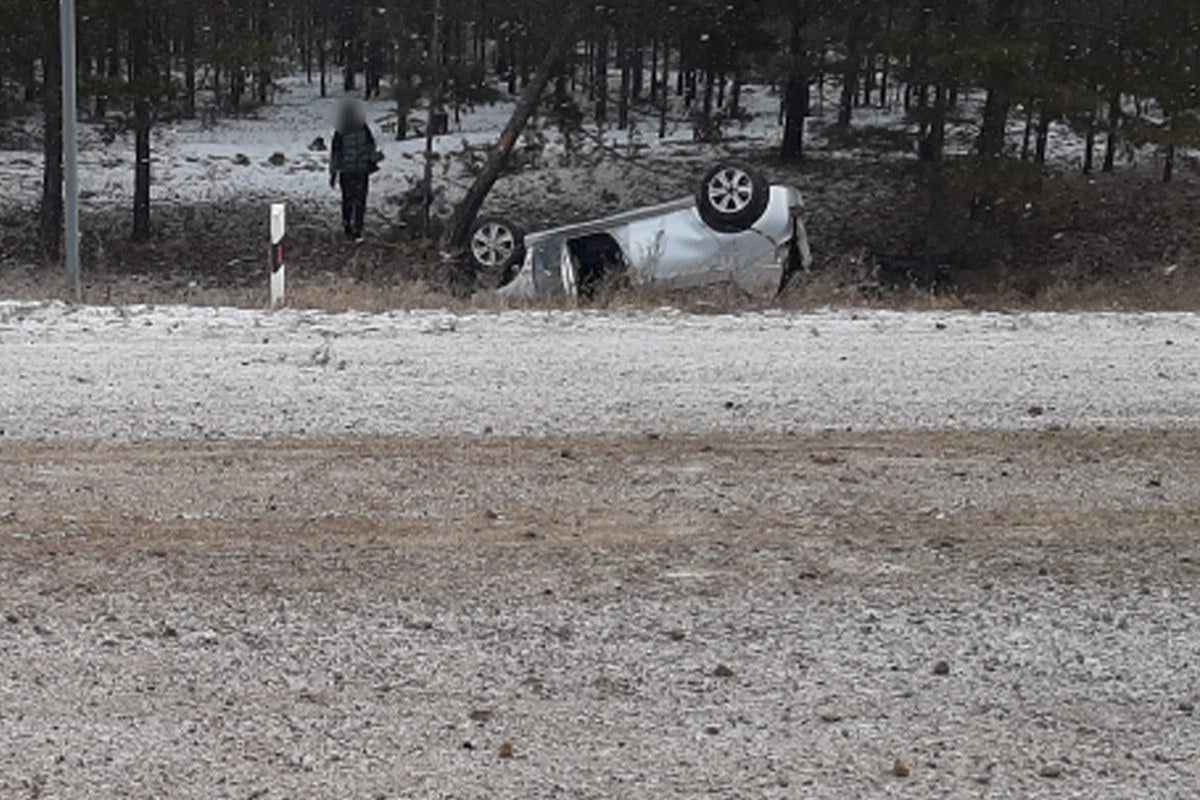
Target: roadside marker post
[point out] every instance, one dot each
(278, 268)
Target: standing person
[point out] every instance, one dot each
(352, 159)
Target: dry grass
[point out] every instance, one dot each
(1178, 291)
(1121, 241)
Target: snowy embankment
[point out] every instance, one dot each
(268, 154)
(139, 373)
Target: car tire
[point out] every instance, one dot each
(732, 197)
(496, 250)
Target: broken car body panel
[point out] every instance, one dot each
(670, 246)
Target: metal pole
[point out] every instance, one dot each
(70, 143)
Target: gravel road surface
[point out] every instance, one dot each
(144, 373)
(585, 556)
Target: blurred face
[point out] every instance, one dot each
(349, 115)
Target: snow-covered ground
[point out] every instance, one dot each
(198, 162)
(136, 373)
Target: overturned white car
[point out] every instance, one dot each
(738, 229)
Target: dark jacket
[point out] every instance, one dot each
(353, 152)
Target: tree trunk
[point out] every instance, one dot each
(796, 94)
(112, 71)
(664, 92)
(850, 75)
(29, 80)
(601, 81)
(1089, 146)
(654, 70)
(322, 57)
(189, 63)
(350, 46)
(638, 69)
(623, 98)
(868, 81)
(1110, 145)
(459, 230)
(1043, 134)
(935, 143)
(510, 69)
(1027, 136)
(886, 69)
(434, 100)
(266, 33)
(1004, 26)
(52, 144)
(709, 82)
(140, 66)
(306, 47)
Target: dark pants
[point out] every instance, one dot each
(354, 201)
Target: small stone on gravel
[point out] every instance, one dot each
(1187, 707)
(677, 635)
(941, 668)
(722, 671)
(902, 769)
(482, 715)
(506, 750)
(1050, 771)
(712, 730)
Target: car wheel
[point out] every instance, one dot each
(496, 248)
(732, 197)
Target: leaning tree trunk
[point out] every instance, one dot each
(459, 229)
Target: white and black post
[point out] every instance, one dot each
(278, 270)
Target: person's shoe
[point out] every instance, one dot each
(358, 239)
